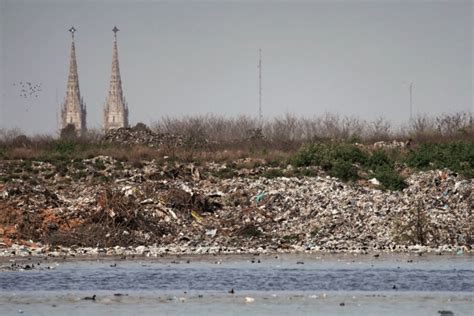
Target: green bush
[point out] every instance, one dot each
(276, 162)
(65, 148)
(339, 159)
(306, 156)
(99, 164)
(325, 154)
(349, 153)
(273, 173)
(225, 173)
(457, 156)
(343, 170)
(377, 159)
(301, 172)
(390, 179)
(290, 238)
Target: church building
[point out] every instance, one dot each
(73, 109)
(116, 109)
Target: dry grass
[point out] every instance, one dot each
(221, 139)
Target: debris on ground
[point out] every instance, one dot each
(103, 206)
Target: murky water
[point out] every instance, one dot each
(345, 285)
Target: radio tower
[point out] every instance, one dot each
(411, 102)
(260, 115)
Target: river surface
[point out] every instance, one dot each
(263, 285)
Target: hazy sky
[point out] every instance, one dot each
(189, 57)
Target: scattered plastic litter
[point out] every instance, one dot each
(249, 299)
(260, 196)
(102, 205)
(211, 232)
(374, 181)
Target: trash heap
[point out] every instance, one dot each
(141, 135)
(111, 206)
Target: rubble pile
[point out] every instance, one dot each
(141, 135)
(101, 204)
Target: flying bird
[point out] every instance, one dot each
(29, 89)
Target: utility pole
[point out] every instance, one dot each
(58, 113)
(411, 101)
(260, 115)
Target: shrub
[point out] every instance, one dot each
(290, 238)
(307, 156)
(324, 154)
(349, 153)
(225, 173)
(343, 170)
(99, 164)
(273, 173)
(65, 148)
(379, 158)
(390, 179)
(416, 228)
(339, 159)
(457, 156)
(301, 172)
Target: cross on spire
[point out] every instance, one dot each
(73, 109)
(115, 30)
(115, 108)
(72, 30)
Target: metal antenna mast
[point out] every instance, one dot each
(58, 113)
(260, 115)
(411, 101)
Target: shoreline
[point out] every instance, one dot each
(126, 253)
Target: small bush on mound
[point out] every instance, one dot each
(457, 156)
(225, 173)
(390, 179)
(273, 173)
(339, 159)
(350, 153)
(415, 227)
(343, 161)
(308, 155)
(379, 158)
(99, 164)
(325, 154)
(343, 170)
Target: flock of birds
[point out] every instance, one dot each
(28, 89)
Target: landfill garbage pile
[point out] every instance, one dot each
(101, 205)
(141, 135)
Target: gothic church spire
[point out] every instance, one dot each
(116, 109)
(73, 110)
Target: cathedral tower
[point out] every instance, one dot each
(116, 109)
(73, 110)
